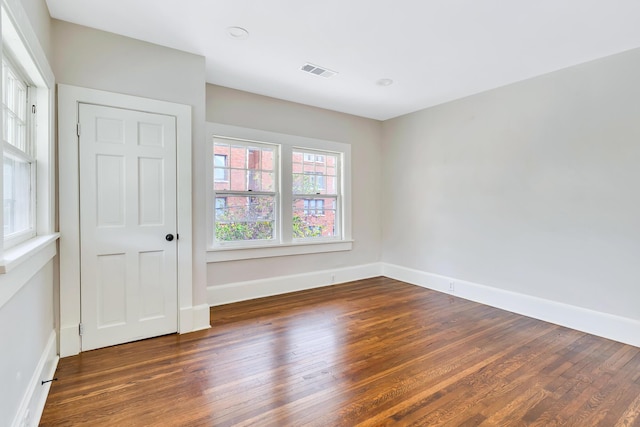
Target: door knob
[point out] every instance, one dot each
(169, 237)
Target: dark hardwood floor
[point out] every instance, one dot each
(375, 352)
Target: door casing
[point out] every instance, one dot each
(69, 97)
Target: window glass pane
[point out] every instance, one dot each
(268, 181)
(331, 184)
(245, 218)
(254, 180)
(238, 179)
(17, 195)
(268, 159)
(221, 204)
(221, 153)
(314, 217)
(220, 170)
(14, 114)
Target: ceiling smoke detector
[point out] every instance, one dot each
(318, 71)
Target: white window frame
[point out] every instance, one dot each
(249, 193)
(19, 38)
(316, 156)
(285, 244)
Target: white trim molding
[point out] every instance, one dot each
(68, 99)
(34, 399)
(242, 291)
(23, 268)
(19, 36)
(232, 254)
(195, 318)
(25, 252)
(605, 325)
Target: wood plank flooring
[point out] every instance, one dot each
(375, 352)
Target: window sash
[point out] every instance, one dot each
(316, 172)
(19, 183)
(15, 107)
(316, 218)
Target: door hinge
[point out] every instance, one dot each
(78, 128)
(81, 329)
(177, 236)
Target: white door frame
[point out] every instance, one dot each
(69, 207)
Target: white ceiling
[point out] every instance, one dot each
(434, 50)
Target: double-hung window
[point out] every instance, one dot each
(276, 194)
(27, 148)
(246, 191)
(316, 194)
(19, 169)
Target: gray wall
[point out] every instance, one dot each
(532, 188)
(38, 14)
(27, 322)
(99, 60)
(233, 107)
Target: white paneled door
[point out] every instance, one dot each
(128, 267)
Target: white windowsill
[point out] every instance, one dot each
(234, 254)
(16, 255)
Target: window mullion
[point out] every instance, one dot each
(286, 185)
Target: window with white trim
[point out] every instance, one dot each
(285, 195)
(19, 164)
(246, 202)
(27, 148)
(316, 194)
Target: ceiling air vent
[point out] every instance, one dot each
(318, 71)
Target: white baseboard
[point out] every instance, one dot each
(242, 291)
(605, 325)
(194, 318)
(33, 401)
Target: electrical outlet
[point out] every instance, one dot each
(452, 287)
